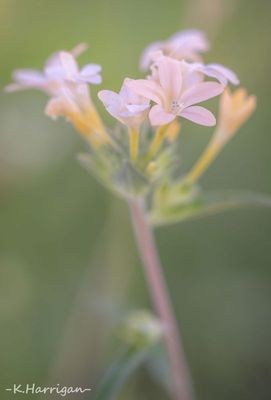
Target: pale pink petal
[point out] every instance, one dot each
(191, 39)
(112, 102)
(148, 55)
(28, 76)
(130, 96)
(169, 72)
(199, 115)
(53, 61)
(90, 74)
(91, 69)
(69, 65)
(148, 89)
(137, 108)
(108, 97)
(221, 73)
(201, 92)
(158, 116)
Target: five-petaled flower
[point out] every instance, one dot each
(176, 88)
(56, 73)
(126, 106)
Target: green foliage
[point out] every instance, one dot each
(177, 204)
(141, 331)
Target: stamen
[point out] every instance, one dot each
(176, 107)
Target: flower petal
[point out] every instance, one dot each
(112, 102)
(221, 73)
(148, 55)
(108, 97)
(90, 74)
(69, 65)
(158, 116)
(201, 92)
(137, 108)
(26, 78)
(191, 39)
(147, 88)
(169, 71)
(199, 115)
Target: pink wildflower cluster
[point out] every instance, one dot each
(174, 86)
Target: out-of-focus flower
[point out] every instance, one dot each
(235, 109)
(184, 45)
(59, 69)
(126, 106)
(67, 86)
(175, 89)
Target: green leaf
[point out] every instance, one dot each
(208, 203)
(118, 373)
(141, 331)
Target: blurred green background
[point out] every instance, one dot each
(68, 264)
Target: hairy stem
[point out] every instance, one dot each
(181, 384)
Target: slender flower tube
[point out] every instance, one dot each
(235, 109)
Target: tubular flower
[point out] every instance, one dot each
(126, 106)
(53, 76)
(184, 45)
(67, 87)
(176, 88)
(235, 109)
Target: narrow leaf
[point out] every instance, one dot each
(119, 372)
(207, 204)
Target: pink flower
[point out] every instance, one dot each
(127, 106)
(176, 88)
(184, 45)
(60, 69)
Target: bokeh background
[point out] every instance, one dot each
(68, 264)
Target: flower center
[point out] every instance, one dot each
(176, 107)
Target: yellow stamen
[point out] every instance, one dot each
(134, 136)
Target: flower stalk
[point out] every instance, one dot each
(207, 157)
(134, 136)
(181, 381)
(158, 140)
